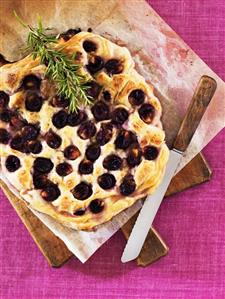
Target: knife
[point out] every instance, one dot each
(201, 99)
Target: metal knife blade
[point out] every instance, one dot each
(152, 203)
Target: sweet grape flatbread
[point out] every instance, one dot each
(81, 168)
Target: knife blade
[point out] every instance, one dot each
(152, 204)
(201, 98)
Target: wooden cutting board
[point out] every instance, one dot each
(56, 252)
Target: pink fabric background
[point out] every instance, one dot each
(192, 223)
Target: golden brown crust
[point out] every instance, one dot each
(147, 174)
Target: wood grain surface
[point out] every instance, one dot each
(200, 101)
(194, 173)
(154, 247)
(55, 251)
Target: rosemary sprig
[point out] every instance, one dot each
(61, 68)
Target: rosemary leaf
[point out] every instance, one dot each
(61, 68)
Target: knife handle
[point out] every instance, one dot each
(200, 101)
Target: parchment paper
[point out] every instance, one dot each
(160, 56)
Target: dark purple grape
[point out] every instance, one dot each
(150, 152)
(29, 132)
(79, 212)
(85, 167)
(114, 66)
(18, 143)
(107, 96)
(12, 163)
(69, 33)
(112, 162)
(96, 206)
(95, 64)
(34, 146)
(89, 46)
(93, 89)
(136, 97)
(59, 119)
(93, 151)
(60, 101)
(6, 115)
(104, 134)
(4, 99)
(53, 140)
(63, 169)
(31, 82)
(106, 181)
(124, 139)
(134, 156)
(40, 181)
(71, 152)
(86, 130)
(51, 192)
(100, 110)
(33, 102)
(17, 122)
(76, 118)
(119, 116)
(4, 136)
(147, 113)
(43, 165)
(82, 191)
(128, 185)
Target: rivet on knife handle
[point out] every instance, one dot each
(202, 96)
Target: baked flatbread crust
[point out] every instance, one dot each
(146, 175)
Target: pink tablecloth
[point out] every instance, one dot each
(192, 223)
